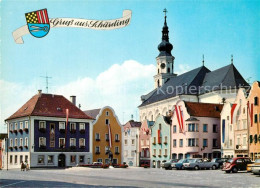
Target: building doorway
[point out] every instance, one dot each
(61, 160)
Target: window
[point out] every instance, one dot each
(21, 159)
(160, 126)
(181, 142)
(227, 117)
(26, 158)
(125, 133)
(205, 142)
(62, 142)
(21, 125)
(125, 141)
(215, 143)
(42, 125)
(26, 125)
(81, 159)
(88, 160)
(230, 127)
(11, 159)
(97, 149)
(107, 121)
(160, 151)
(165, 151)
(215, 128)
(10, 126)
(116, 149)
(97, 136)
(192, 142)
(133, 142)
(81, 142)
(50, 159)
(106, 149)
(244, 140)
(116, 137)
(99, 160)
(26, 142)
(107, 113)
(147, 142)
(42, 141)
(15, 142)
(154, 140)
(244, 124)
(72, 126)
(205, 128)
(142, 142)
(192, 127)
(72, 141)
(82, 126)
(174, 128)
(15, 159)
(132, 153)
(61, 125)
(73, 159)
(21, 142)
(256, 100)
(255, 118)
(154, 151)
(174, 143)
(40, 159)
(125, 153)
(238, 141)
(15, 126)
(165, 139)
(230, 143)
(11, 142)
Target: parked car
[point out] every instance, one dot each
(249, 166)
(215, 163)
(236, 164)
(168, 165)
(256, 169)
(195, 164)
(179, 164)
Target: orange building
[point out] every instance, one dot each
(254, 121)
(103, 141)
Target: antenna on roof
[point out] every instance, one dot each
(47, 81)
(203, 60)
(231, 58)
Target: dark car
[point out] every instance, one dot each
(236, 164)
(168, 165)
(179, 164)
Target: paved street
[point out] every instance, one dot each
(131, 177)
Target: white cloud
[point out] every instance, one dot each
(182, 68)
(119, 87)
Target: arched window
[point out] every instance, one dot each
(256, 101)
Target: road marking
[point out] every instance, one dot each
(13, 183)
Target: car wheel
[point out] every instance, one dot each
(213, 167)
(182, 168)
(170, 168)
(196, 168)
(228, 171)
(234, 170)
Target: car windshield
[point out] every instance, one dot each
(192, 160)
(257, 161)
(214, 160)
(230, 161)
(181, 160)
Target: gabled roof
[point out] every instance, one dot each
(224, 78)
(134, 123)
(92, 113)
(179, 84)
(49, 105)
(204, 109)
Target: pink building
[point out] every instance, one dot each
(144, 142)
(196, 130)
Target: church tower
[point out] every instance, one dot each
(165, 60)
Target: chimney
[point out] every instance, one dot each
(39, 91)
(73, 100)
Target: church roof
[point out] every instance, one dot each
(49, 105)
(177, 85)
(195, 82)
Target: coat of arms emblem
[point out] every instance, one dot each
(38, 23)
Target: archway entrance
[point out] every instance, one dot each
(61, 160)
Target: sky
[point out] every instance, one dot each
(116, 67)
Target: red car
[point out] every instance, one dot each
(236, 164)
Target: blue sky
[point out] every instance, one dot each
(74, 56)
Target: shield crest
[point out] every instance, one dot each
(38, 23)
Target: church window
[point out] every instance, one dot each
(168, 70)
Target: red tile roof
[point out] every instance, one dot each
(204, 109)
(49, 105)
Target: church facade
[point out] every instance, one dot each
(197, 85)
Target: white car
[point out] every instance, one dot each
(256, 169)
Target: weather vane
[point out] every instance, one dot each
(165, 11)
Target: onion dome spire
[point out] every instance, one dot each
(165, 47)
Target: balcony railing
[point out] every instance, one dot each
(21, 147)
(82, 131)
(62, 130)
(97, 139)
(97, 152)
(42, 130)
(25, 130)
(73, 131)
(117, 153)
(73, 147)
(82, 147)
(21, 130)
(117, 140)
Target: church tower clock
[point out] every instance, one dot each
(165, 60)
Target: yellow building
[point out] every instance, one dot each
(106, 118)
(254, 121)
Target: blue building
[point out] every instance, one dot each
(49, 130)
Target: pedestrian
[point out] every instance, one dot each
(22, 166)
